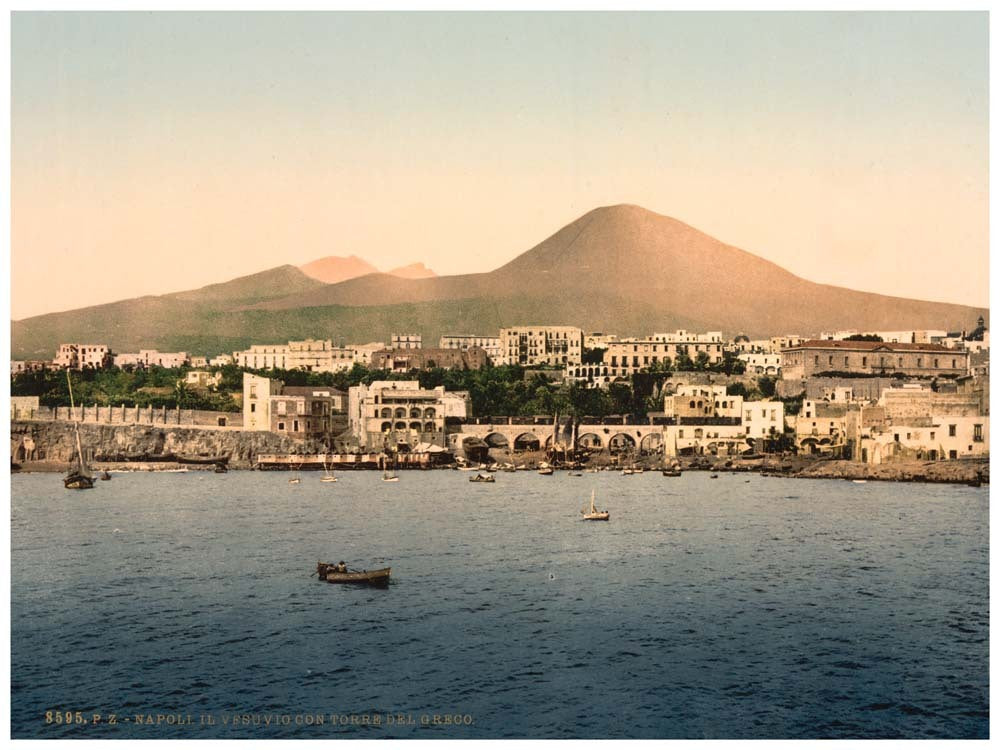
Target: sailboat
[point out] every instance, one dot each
(328, 475)
(79, 478)
(594, 514)
(296, 479)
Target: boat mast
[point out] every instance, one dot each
(76, 429)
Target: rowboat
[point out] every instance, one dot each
(482, 478)
(671, 472)
(594, 514)
(328, 572)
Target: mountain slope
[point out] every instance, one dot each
(618, 269)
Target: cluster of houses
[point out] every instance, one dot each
(871, 396)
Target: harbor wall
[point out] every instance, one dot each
(54, 441)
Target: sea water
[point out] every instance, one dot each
(182, 605)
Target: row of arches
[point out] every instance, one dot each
(415, 426)
(401, 413)
(528, 441)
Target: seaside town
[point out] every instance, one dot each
(893, 404)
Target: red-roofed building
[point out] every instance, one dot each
(815, 357)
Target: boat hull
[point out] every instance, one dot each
(606, 516)
(78, 482)
(378, 577)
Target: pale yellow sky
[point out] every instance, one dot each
(158, 154)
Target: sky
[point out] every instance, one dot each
(157, 152)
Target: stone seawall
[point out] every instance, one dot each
(54, 442)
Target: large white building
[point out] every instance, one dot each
(313, 355)
(761, 363)
(541, 345)
(400, 415)
(83, 356)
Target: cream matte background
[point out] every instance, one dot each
(159, 152)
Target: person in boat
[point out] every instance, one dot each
(341, 567)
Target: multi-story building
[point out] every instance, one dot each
(399, 415)
(760, 363)
(83, 356)
(152, 358)
(811, 358)
(889, 337)
(821, 427)
(489, 344)
(404, 360)
(221, 360)
(198, 361)
(17, 366)
(299, 412)
(406, 341)
(363, 352)
(598, 340)
(312, 355)
(541, 345)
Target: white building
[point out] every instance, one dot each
(399, 414)
(312, 355)
(761, 363)
(82, 356)
(221, 361)
(541, 345)
(257, 392)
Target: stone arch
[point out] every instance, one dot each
(415, 412)
(526, 441)
(429, 427)
(386, 426)
(386, 413)
(496, 440)
(415, 426)
(589, 440)
(621, 441)
(400, 425)
(429, 413)
(400, 413)
(652, 443)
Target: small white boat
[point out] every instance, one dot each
(860, 481)
(594, 514)
(294, 480)
(627, 472)
(390, 476)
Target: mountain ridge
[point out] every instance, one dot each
(619, 269)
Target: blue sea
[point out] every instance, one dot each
(181, 605)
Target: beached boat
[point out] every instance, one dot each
(483, 478)
(80, 477)
(671, 472)
(330, 573)
(546, 471)
(594, 514)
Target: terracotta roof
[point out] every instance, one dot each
(872, 346)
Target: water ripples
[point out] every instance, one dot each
(733, 608)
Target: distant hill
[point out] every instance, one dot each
(334, 269)
(413, 271)
(618, 269)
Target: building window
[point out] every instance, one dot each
(977, 433)
(864, 361)
(932, 436)
(952, 430)
(281, 425)
(253, 408)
